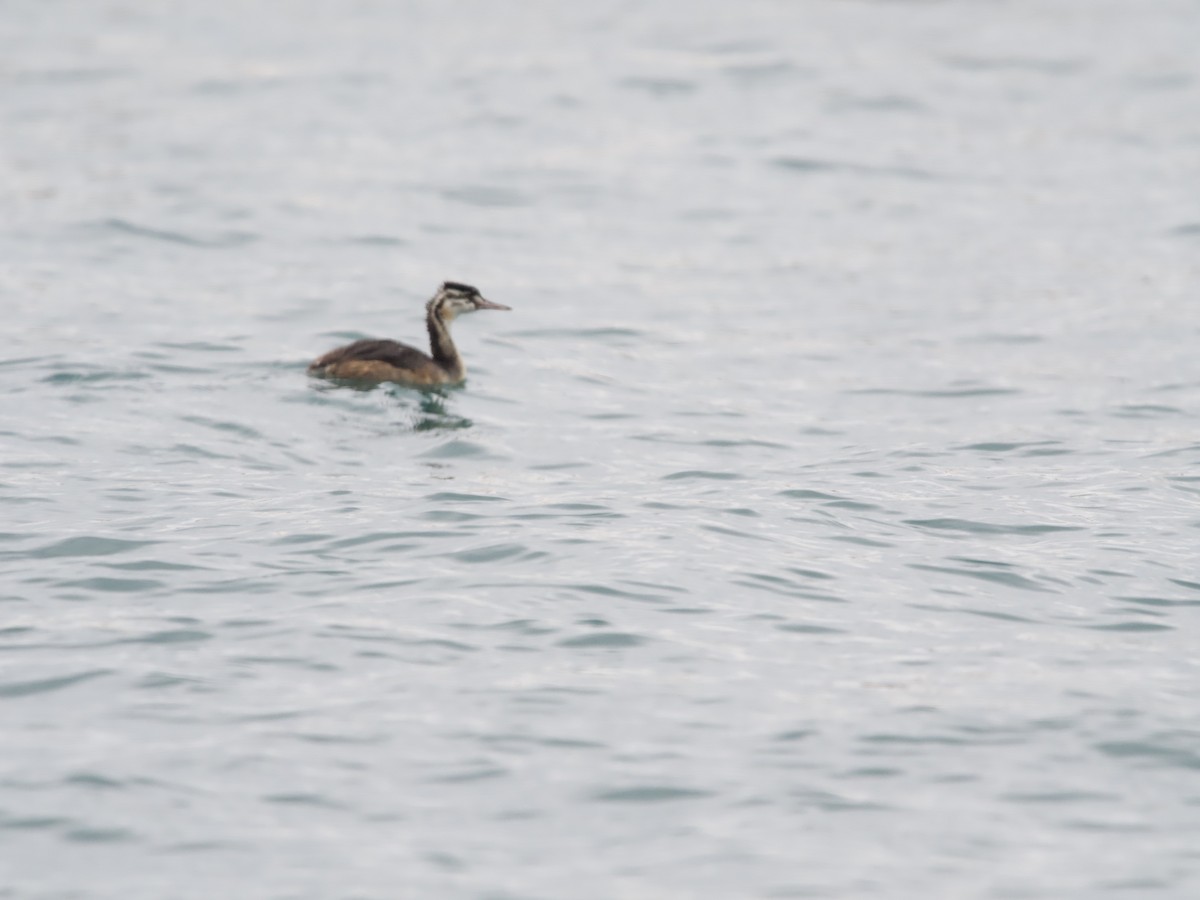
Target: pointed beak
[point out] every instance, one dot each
(480, 303)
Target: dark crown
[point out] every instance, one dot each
(459, 287)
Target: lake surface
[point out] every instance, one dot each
(823, 521)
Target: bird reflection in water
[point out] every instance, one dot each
(432, 414)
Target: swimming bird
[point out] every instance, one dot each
(383, 360)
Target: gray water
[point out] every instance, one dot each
(821, 522)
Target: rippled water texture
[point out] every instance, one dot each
(821, 522)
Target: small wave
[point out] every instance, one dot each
(608, 640)
(219, 239)
(1005, 446)
(805, 165)
(805, 628)
(652, 793)
(170, 636)
(971, 527)
(1132, 627)
(1006, 578)
(660, 87)
(87, 545)
(77, 374)
(95, 835)
(940, 393)
(114, 585)
(486, 195)
(1041, 66)
(702, 475)
(1175, 750)
(46, 685)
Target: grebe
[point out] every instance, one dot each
(382, 360)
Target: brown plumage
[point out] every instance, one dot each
(384, 360)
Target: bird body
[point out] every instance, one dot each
(384, 360)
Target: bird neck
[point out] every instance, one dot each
(441, 347)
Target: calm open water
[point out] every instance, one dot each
(824, 521)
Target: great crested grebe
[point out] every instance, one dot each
(382, 360)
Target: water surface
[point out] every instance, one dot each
(822, 521)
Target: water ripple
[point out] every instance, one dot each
(605, 641)
(1005, 578)
(218, 239)
(970, 527)
(837, 470)
(651, 793)
(45, 685)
